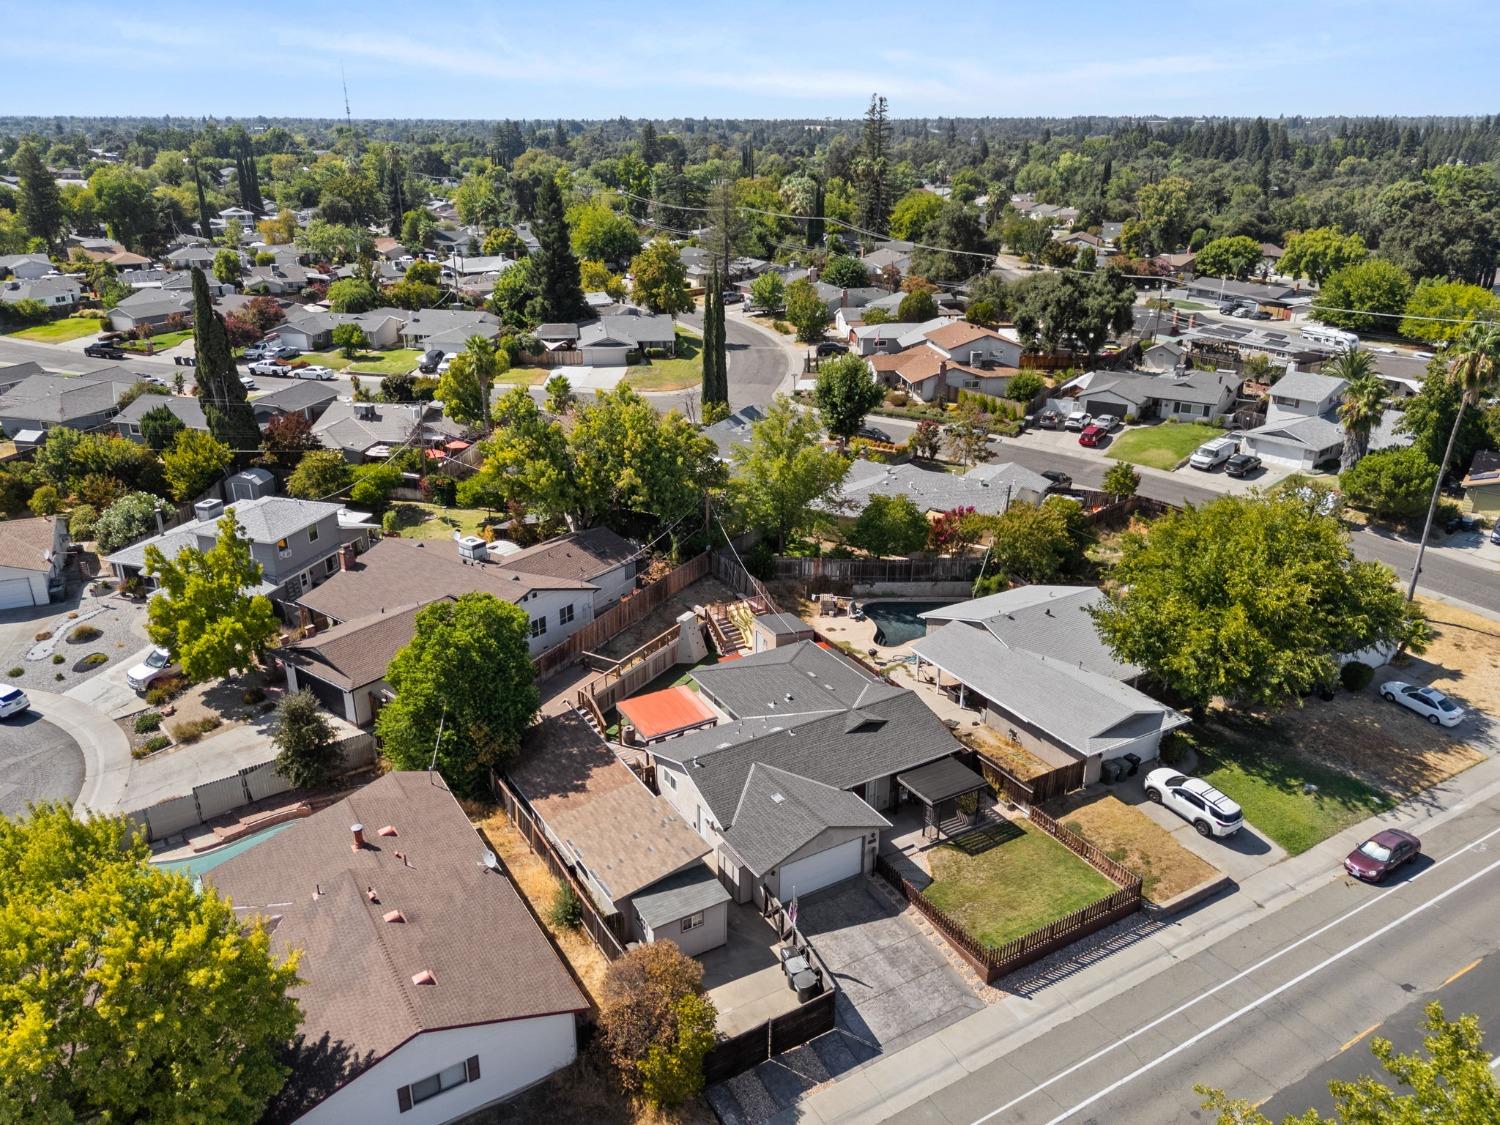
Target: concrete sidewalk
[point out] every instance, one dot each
(106, 750)
(1122, 958)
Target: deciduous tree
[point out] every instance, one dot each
(1316, 253)
(783, 471)
(890, 525)
(1235, 256)
(660, 279)
(193, 461)
(1371, 294)
(1390, 483)
(464, 388)
(845, 394)
(807, 311)
(303, 738)
(129, 518)
(319, 475)
(1439, 310)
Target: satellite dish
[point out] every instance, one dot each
(491, 860)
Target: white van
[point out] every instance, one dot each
(1211, 454)
(1331, 337)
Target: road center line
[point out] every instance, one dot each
(1241, 975)
(1271, 995)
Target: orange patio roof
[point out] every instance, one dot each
(658, 714)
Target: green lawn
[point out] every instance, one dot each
(394, 361)
(159, 343)
(683, 370)
(1025, 880)
(61, 331)
(1271, 787)
(430, 521)
(525, 376)
(1163, 446)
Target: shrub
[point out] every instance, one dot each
(82, 634)
(13, 673)
(44, 635)
(147, 721)
(390, 523)
(195, 729)
(93, 660)
(58, 658)
(165, 689)
(154, 743)
(654, 1023)
(1356, 676)
(566, 912)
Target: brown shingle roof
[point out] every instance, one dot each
(919, 363)
(397, 573)
(959, 333)
(581, 555)
(25, 543)
(464, 924)
(625, 835)
(358, 652)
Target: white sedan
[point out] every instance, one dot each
(1428, 702)
(313, 371)
(269, 367)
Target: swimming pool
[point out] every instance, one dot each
(207, 861)
(899, 622)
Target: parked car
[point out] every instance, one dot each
(1195, 800)
(104, 351)
(872, 433)
(1458, 522)
(444, 363)
(1211, 454)
(1495, 532)
(158, 663)
(1093, 434)
(1258, 314)
(832, 347)
(269, 367)
(1058, 478)
(732, 296)
(283, 351)
(1381, 854)
(255, 351)
(1228, 307)
(12, 701)
(430, 360)
(1242, 464)
(1242, 312)
(1078, 420)
(248, 383)
(313, 371)
(1049, 420)
(1428, 702)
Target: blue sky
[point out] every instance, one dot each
(653, 58)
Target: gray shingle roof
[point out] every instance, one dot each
(1311, 433)
(582, 555)
(264, 520)
(779, 812)
(1307, 386)
(734, 430)
(358, 426)
(988, 489)
(1051, 621)
(188, 409)
(687, 892)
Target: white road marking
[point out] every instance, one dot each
(1241, 975)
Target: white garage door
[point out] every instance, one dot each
(1279, 452)
(804, 876)
(15, 593)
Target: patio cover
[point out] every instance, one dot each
(941, 781)
(661, 714)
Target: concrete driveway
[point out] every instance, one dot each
(38, 762)
(1240, 856)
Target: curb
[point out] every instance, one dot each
(106, 750)
(1161, 911)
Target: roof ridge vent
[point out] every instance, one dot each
(394, 916)
(388, 830)
(424, 977)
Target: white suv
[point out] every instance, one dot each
(1196, 801)
(1212, 454)
(12, 701)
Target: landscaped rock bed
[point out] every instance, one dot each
(66, 650)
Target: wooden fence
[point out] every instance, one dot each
(1094, 856)
(1032, 790)
(620, 617)
(879, 570)
(625, 677)
(728, 570)
(562, 357)
(604, 932)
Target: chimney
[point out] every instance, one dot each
(371, 895)
(359, 837)
(942, 367)
(843, 298)
(347, 555)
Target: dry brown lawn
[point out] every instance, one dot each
(1467, 650)
(664, 616)
(995, 746)
(1133, 839)
(586, 1094)
(537, 885)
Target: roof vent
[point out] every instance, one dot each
(388, 830)
(394, 916)
(424, 977)
(371, 895)
(778, 798)
(788, 697)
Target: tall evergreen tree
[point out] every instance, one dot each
(554, 266)
(715, 363)
(41, 203)
(815, 223)
(872, 169)
(230, 418)
(203, 224)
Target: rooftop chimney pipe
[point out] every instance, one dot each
(359, 836)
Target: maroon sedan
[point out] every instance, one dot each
(1381, 854)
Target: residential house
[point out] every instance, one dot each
(733, 431)
(389, 248)
(1195, 396)
(296, 542)
(309, 328)
(240, 215)
(640, 862)
(855, 298)
(448, 328)
(697, 262)
(1481, 484)
(872, 339)
(280, 279)
(26, 267)
(180, 283)
(83, 402)
(1110, 233)
(1270, 258)
(1301, 427)
(596, 555)
(186, 257)
(120, 258)
(33, 553)
(788, 788)
(1176, 265)
(365, 431)
(151, 308)
(307, 397)
(889, 255)
(640, 332)
(14, 373)
(989, 488)
(56, 293)
(426, 988)
(1032, 661)
(1275, 299)
(185, 408)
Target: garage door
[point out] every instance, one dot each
(1113, 409)
(817, 871)
(15, 593)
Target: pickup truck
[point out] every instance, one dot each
(104, 351)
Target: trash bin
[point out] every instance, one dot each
(1135, 764)
(1109, 772)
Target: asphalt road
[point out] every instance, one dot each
(757, 363)
(38, 762)
(1264, 1010)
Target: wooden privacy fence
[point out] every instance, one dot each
(1032, 790)
(780, 1033)
(622, 679)
(728, 570)
(620, 617)
(879, 570)
(604, 933)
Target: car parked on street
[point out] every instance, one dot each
(1195, 800)
(158, 663)
(830, 348)
(1078, 420)
(1381, 854)
(1058, 478)
(1211, 454)
(104, 351)
(313, 371)
(1242, 465)
(248, 383)
(269, 367)
(12, 701)
(1431, 704)
(732, 296)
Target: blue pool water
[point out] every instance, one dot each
(898, 622)
(207, 861)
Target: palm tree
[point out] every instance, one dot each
(1475, 369)
(1364, 401)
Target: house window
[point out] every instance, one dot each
(565, 615)
(538, 626)
(692, 921)
(671, 781)
(312, 534)
(330, 564)
(435, 1084)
